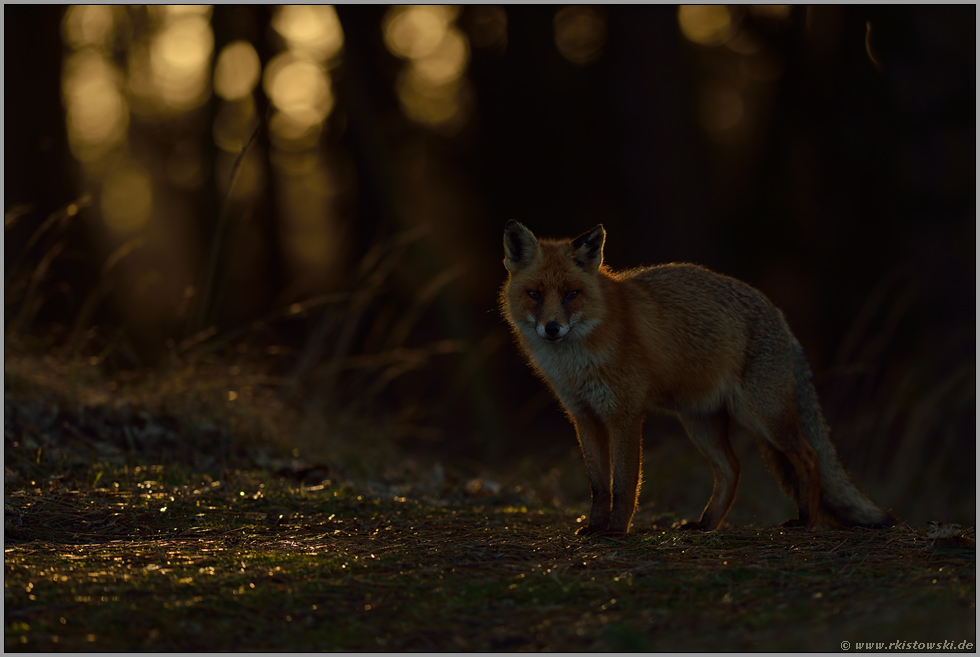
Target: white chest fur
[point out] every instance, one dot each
(575, 373)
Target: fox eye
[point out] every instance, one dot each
(571, 295)
(533, 294)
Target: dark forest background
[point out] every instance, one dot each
(823, 154)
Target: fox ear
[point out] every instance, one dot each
(587, 249)
(521, 248)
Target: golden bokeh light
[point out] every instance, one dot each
(140, 80)
(580, 33)
(308, 230)
(185, 166)
(97, 115)
(165, 13)
(298, 87)
(447, 62)
(183, 45)
(721, 107)
(180, 55)
(295, 162)
(431, 104)
(431, 88)
(311, 30)
(415, 31)
(763, 66)
(237, 71)
(291, 135)
(249, 179)
(779, 12)
(234, 124)
(707, 25)
(297, 80)
(88, 25)
(127, 198)
(487, 26)
(743, 43)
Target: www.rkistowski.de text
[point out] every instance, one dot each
(908, 645)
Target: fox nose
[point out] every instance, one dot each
(552, 328)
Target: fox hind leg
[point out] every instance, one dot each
(712, 435)
(804, 461)
(782, 469)
(794, 463)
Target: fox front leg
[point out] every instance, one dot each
(593, 437)
(626, 445)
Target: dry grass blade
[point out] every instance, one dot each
(399, 333)
(197, 317)
(373, 272)
(13, 215)
(31, 303)
(202, 342)
(96, 296)
(861, 324)
(62, 217)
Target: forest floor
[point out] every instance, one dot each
(131, 528)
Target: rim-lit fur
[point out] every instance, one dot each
(674, 338)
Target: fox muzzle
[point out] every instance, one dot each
(552, 331)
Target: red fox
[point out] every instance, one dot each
(681, 339)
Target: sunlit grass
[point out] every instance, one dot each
(167, 559)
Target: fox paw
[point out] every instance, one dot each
(598, 531)
(692, 526)
(588, 531)
(794, 523)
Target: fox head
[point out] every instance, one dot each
(553, 291)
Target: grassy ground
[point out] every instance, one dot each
(140, 526)
(169, 560)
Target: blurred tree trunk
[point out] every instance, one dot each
(252, 24)
(34, 122)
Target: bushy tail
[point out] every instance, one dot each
(840, 498)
